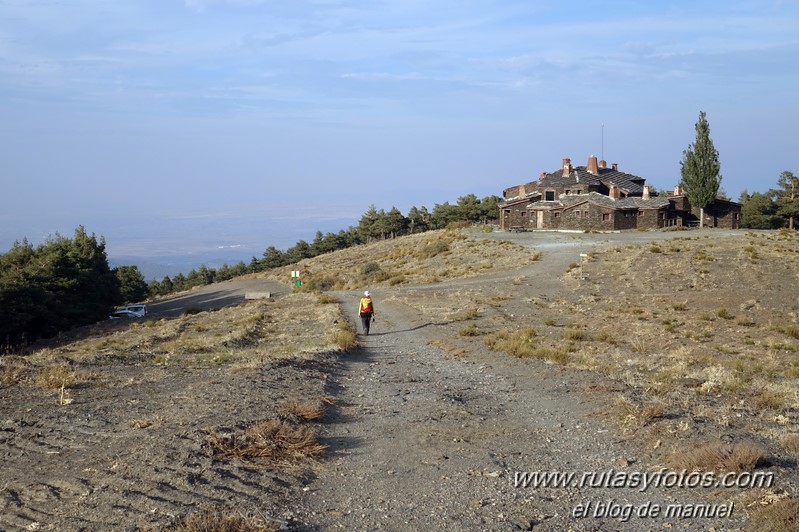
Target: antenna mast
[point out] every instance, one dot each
(603, 143)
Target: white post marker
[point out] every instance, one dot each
(582, 258)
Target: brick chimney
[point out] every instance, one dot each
(646, 192)
(614, 192)
(615, 167)
(592, 166)
(603, 164)
(567, 166)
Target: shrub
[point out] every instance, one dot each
(431, 249)
(717, 456)
(344, 336)
(55, 377)
(223, 520)
(469, 330)
(270, 443)
(574, 334)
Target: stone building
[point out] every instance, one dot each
(595, 197)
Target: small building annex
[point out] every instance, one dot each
(597, 198)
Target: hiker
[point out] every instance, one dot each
(366, 311)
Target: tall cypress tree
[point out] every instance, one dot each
(700, 169)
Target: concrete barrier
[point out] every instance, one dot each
(257, 295)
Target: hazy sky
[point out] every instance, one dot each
(179, 124)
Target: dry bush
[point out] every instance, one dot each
(304, 410)
(13, 372)
(270, 443)
(523, 344)
(325, 299)
(344, 336)
(791, 443)
(519, 344)
(776, 517)
(717, 456)
(434, 248)
(765, 399)
(224, 520)
(469, 330)
(576, 335)
(633, 415)
(56, 377)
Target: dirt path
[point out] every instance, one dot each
(427, 440)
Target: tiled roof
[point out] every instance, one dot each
(516, 199)
(628, 183)
(596, 198)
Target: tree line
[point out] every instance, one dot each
(60, 284)
(773, 209)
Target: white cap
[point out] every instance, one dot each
(366, 293)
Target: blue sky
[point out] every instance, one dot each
(182, 125)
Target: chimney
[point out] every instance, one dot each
(592, 167)
(614, 191)
(646, 192)
(542, 175)
(522, 191)
(615, 167)
(603, 164)
(567, 167)
(678, 190)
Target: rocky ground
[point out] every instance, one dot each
(426, 428)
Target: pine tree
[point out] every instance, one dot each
(700, 168)
(788, 197)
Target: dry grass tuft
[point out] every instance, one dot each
(778, 516)
(717, 456)
(271, 443)
(791, 443)
(524, 344)
(144, 422)
(304, 410)
(224, 520)
(326, 299)
(633, 415)
(469, 330)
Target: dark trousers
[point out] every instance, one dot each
(366, 319)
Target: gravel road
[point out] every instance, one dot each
(430, 440)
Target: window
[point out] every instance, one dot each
(555, 214)
(605, 216)
(578, 213)
(549, 195)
